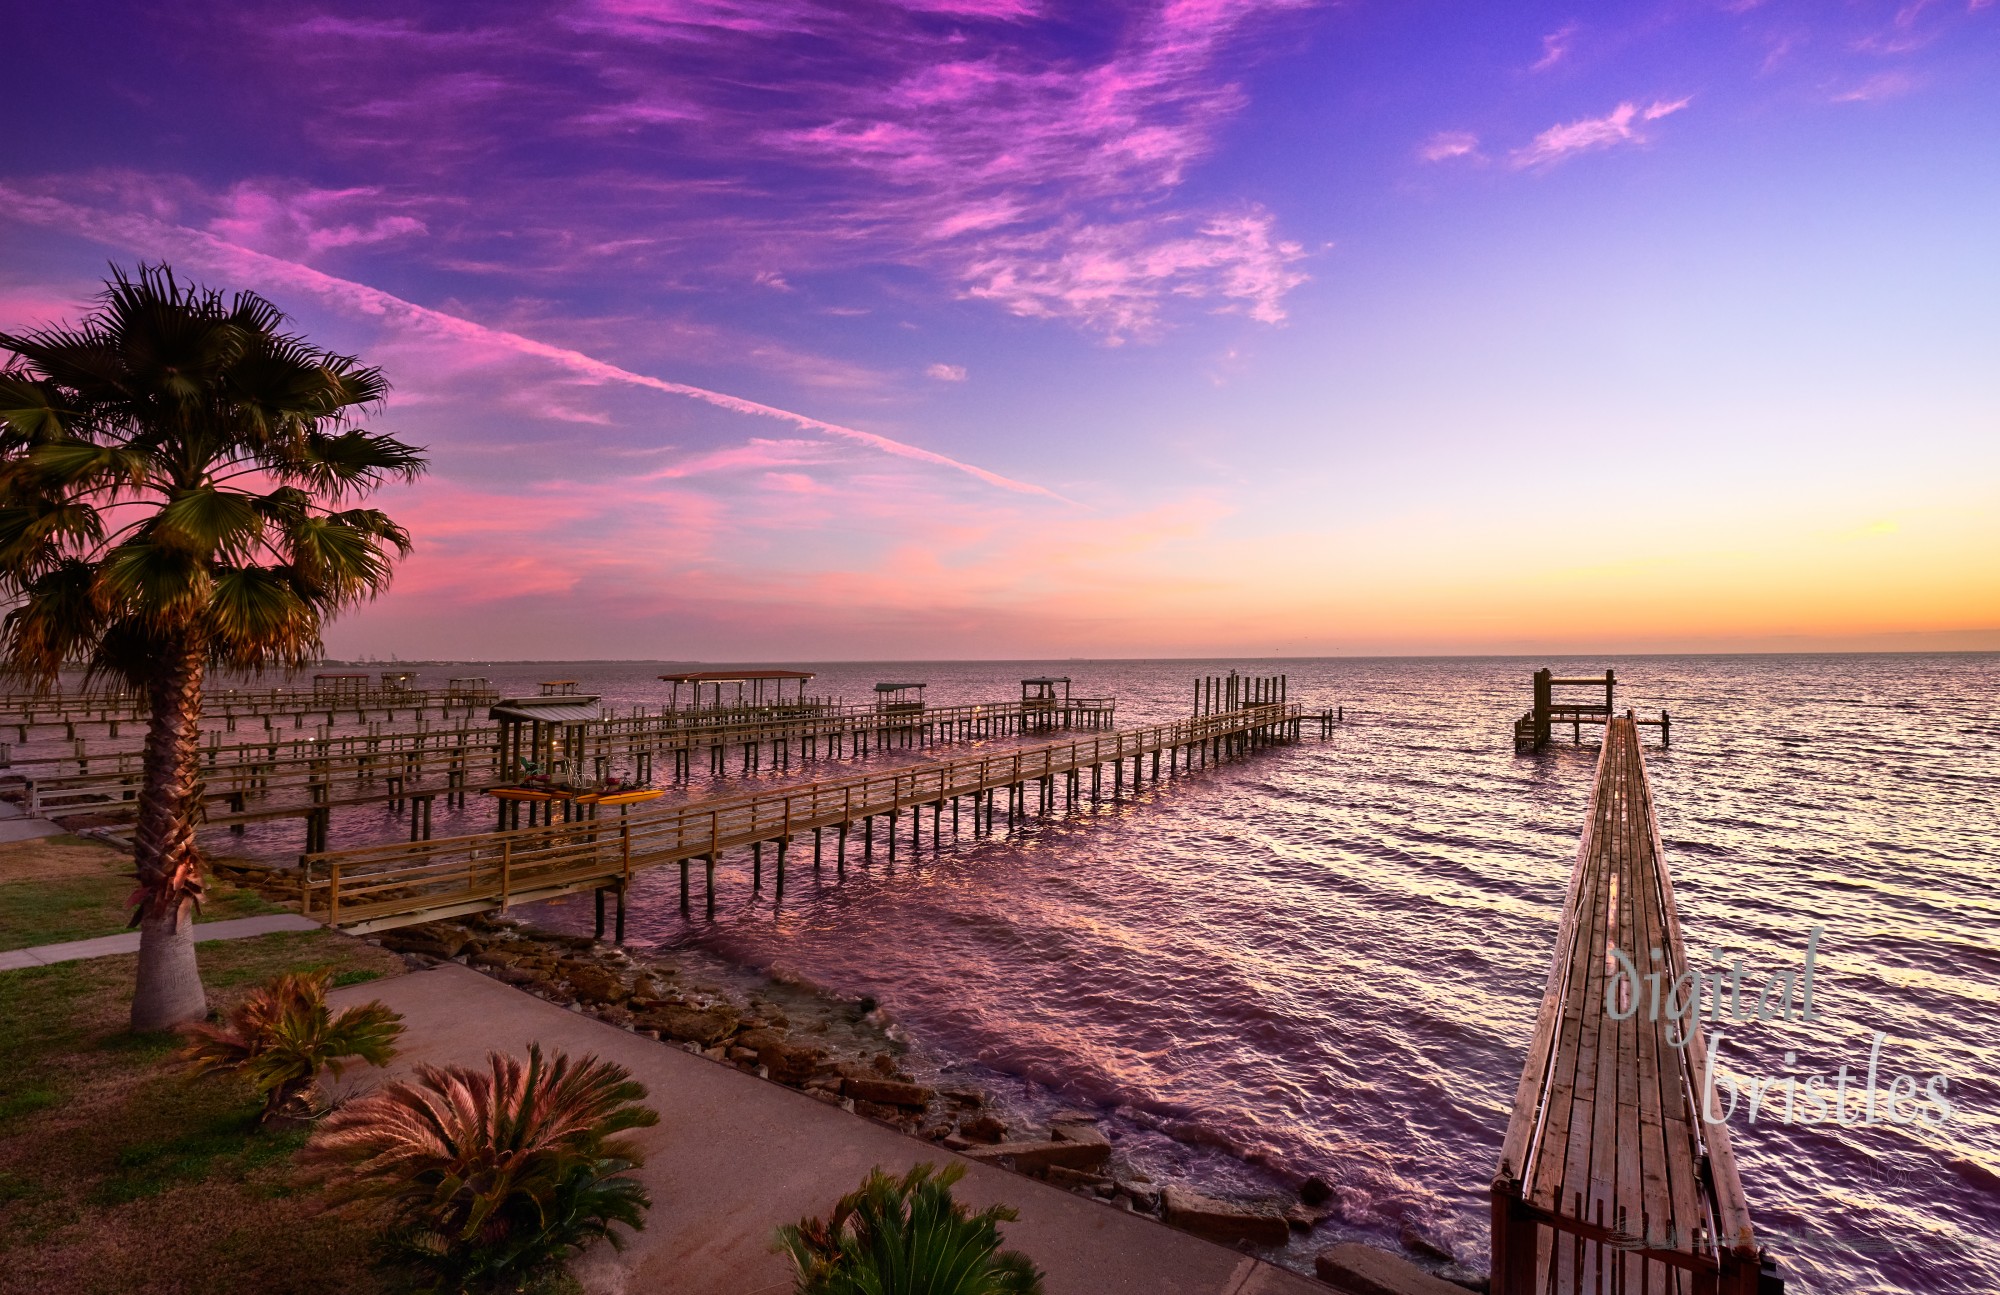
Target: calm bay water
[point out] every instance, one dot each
(1327, 958)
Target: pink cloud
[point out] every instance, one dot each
(946, 372)
(1114, 277)
(992, 10)
(1555, 47)
(1447, 145)
(1617, 128)
(297, 221)
(795, 483)
(1882, 85)
(28, 305)
(758, 455)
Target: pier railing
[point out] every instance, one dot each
(376, 887)
(1610, 1178)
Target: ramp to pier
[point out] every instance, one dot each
(1609, 1179)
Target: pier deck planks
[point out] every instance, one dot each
(1600, 1186)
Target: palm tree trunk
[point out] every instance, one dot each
(169, 991)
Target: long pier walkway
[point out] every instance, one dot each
(377, 887)
(1609, 1179)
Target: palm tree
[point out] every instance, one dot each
(283, 1035)
(177, 489)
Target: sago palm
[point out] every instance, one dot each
(907, 1236)
(492, 1174)
(178, 481)
(283, 1035)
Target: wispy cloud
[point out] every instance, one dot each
(1882, 85)
(1619, 127)
(1556, 47)
(301, 221)
(1114, 276)
(946, 372)
(1449, 144)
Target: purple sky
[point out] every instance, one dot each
(972, 328)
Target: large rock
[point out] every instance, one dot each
(1041, 1155)
(706, 1027)
(434, 941)
(983, 1128)
(1364, 1270)
(789, 1062)
(1222, 1221)
(1078, 1133)
(595, 983)
(1075, 1178)
(886, 1092)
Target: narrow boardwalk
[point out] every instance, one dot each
(1609, 1179)
(377, 887)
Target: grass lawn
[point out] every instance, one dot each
(62, 888)
(118, 1173)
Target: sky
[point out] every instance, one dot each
(1014, 329)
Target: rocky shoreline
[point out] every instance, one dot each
(845, 1053)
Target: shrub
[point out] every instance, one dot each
(283, 1036)
(907, 1236)
(491, 1175)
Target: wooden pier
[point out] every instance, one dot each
(1533, 730)
(1609, 1178)
(378, 887)
(26, 713)
(308, 778)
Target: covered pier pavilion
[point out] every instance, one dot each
(755, 689)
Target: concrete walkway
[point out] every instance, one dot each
(104, 946)
(15, 825)
(734, 1156)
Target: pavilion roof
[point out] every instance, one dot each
(564, 708)
(733, 676)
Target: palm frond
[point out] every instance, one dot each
(59, 621)
(211, 523)
(340, 464)
(160, 583)
(375, 524)
(128, 650)
(83, 465)
(31, 411)
(34, 534)
(257, 618)
(338, 562)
